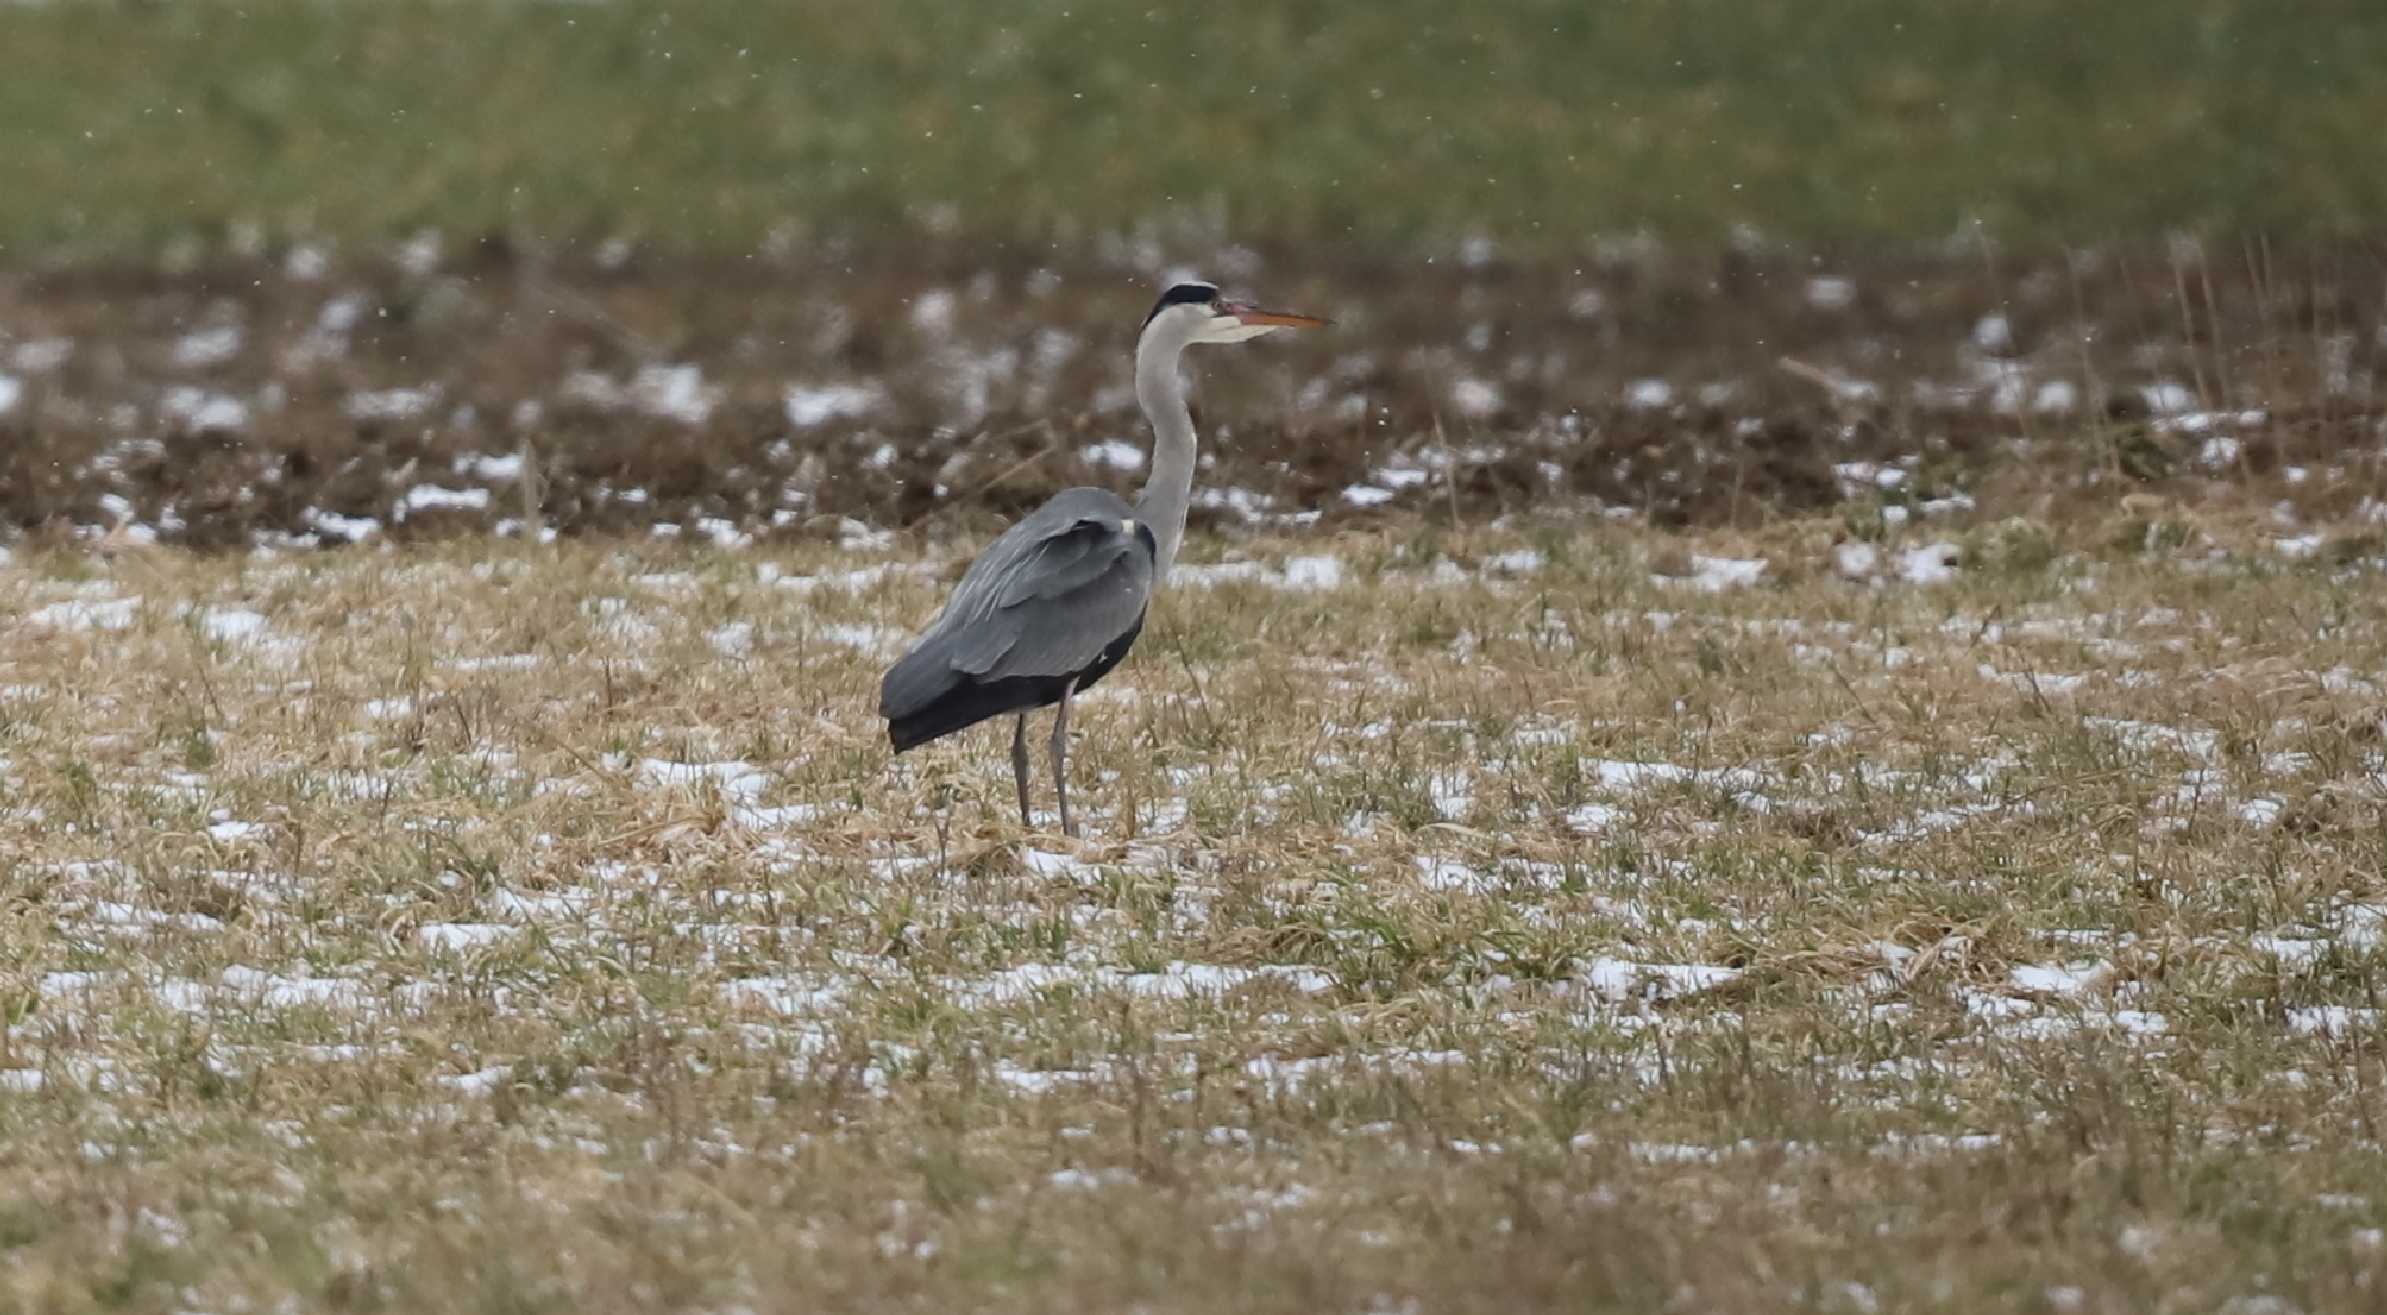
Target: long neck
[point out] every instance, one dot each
(1166, 494)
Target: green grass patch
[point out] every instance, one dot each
(1539, 124)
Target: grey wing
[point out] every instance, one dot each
(1046, 599)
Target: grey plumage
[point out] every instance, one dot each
(1042, 604)
(1055, 603)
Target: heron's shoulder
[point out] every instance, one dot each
(1070, 506)
(1075, 511)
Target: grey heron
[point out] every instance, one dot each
(1054, 603)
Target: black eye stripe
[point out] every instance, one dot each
(1200, 294)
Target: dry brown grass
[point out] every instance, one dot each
(1482, 933)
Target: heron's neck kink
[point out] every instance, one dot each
(1162, 394)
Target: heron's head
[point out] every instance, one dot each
(1195, 312)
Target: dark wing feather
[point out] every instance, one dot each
(1046, 600)
(1063, 628)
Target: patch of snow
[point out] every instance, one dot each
(808, 405)
(1450, 795)
(42, 355)
(495, 467)
(1243, 502)
(932, 312)
(475, 1083)
(1049, 863)
(735, 639)
(2289, 951)
(784, 995)
(431, 497)
(390, 403)
(496, 662)
(771, 819)
(195, 410)
(210, 346)
(1857, 477)
(1475, 398)
(1181, 980)
(2141, 735)
(1830, 292)
(861, 577)
(856, 536)
(280, 992)
(1451, 874)
(1522, 561)
(1648, 394)
(1932, 563)
(1114, 454)
(2061, 979)
(305, 264)
(1313, 572)
(1213, 573)
(457, 937)
(419, 255)
(674, 392)
(723, 533)
(1714, 575)
(2034, 682)
(2198, 422)
(232, 625)
(873, 640)
(740, 782)
(354, 529)
(2332, 1020)
(78, 614)
(1624, 979)
(1590, 819)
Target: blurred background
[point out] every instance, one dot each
(307, 272)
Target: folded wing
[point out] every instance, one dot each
(1056, 599)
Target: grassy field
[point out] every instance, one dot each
(1552, 916)
(1728, 741)
(712, 127)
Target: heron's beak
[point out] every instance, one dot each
(1254, 317)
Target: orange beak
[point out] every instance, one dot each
(1253, 315)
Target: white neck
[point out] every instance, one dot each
(1162, 395)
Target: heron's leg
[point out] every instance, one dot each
(1019, 766)
(1061, 758)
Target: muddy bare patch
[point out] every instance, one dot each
(434, 389)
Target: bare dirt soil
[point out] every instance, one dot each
(308, 395)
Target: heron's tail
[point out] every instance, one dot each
(962, 707)
(909, 694)
(923, 698)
